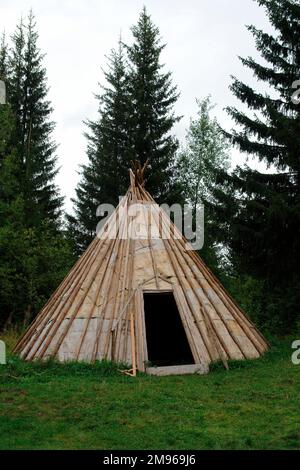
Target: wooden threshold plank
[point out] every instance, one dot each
(179, 370)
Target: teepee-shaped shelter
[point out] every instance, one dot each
(146, 300)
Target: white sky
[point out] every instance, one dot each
(204, 38)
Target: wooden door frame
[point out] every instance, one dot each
(140, 303)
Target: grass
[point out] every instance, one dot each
(254, 405)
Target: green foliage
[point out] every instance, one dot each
(57, 406)
(33, 262)
(45, 371)
(3, 58)
(249, 293)
(27, 95)
(34, 252)
(259, 214)
(204, 154)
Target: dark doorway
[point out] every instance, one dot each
(166, 339)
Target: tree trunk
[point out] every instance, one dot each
(27, 315)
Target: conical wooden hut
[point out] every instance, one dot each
(145, 300)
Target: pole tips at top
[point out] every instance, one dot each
(138, 172)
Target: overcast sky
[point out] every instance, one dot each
(204, 39)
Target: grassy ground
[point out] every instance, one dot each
(254, 405)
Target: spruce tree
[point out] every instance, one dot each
(11, 212)
(105, 177)
(34, 254)
(27, 91)
(152, 97)
(10, 167)
(261, 218)
(3, 58)
(134, 122)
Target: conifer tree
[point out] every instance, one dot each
(152, 97)
(27, 91)
(34, 253)
(105, 177)
(10, 167)
(3, 58)
(134, 122)
(261, 217)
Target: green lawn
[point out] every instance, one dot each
(254, 405)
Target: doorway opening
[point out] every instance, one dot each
(167, 343)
